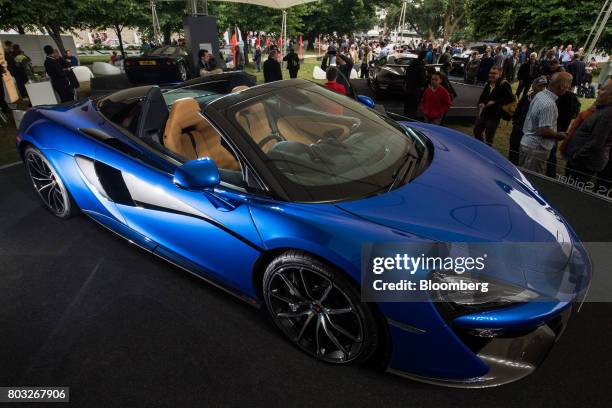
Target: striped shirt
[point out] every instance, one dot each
(542, 114)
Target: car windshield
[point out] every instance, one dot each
(402, 61)
(322, 146)
(203, 93)
(166, 51)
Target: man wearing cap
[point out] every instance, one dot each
(520, 114)
(540, 128)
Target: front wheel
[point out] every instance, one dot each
(319, 309)
(48, 185)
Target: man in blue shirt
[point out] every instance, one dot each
(71, 59)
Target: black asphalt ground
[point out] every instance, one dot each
(80, 307)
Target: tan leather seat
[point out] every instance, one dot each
(239, 88)
(254, 120)
(190, 135)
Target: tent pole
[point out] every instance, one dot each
(595, 24)
(603, 23)
(284, 36)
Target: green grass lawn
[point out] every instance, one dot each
(90, 59)
(305, 72)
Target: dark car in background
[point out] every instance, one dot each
(460, 61)
(386, 74)
(386, 78)
(165, 65)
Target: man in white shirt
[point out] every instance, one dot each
(540, 128)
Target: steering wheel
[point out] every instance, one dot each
(269, 138)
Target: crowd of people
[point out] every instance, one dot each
(57, 68)
(537, 91)
(544, 109)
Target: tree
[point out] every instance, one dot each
(14, 16)
(341, 16)
(62, 16)
(545, 23)
(454, 13)
(249, 17)
(170, 15)
(429, 18)
(118, 14)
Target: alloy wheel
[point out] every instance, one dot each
(47, 183)
(315, 314)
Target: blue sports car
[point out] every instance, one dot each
(270, 191)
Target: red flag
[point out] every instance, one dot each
(234, 42)
(301, 51)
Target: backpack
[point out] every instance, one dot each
(507, 111)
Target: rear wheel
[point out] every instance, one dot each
(318, 309)
(48, 184)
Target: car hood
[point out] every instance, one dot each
(468, 193)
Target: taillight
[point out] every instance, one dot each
(127, 63)
(168, 62)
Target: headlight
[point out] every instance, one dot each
(468, 292)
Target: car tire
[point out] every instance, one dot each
(319, 310)
(48, 185)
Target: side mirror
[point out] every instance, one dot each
(366, 100)
(197, 175)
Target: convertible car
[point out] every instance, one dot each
(386, 77)
(270, 191)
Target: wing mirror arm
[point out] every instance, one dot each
(220, 202)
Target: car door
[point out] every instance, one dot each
(219, 242)
(216, 239)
